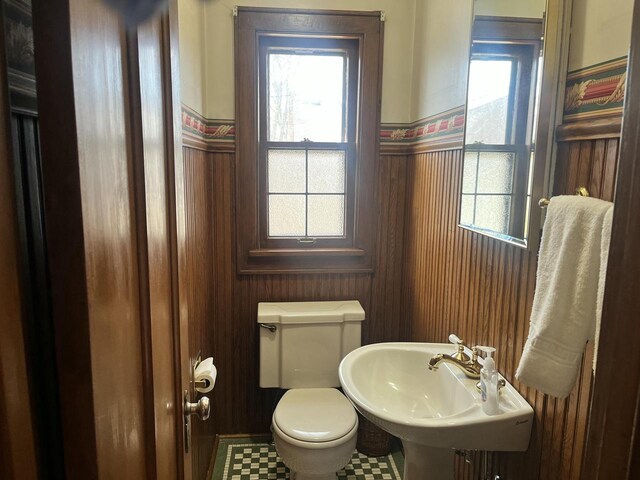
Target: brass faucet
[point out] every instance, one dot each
(469, 365)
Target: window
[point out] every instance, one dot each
(498, 147)
(307, 142)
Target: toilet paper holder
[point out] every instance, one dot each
(198, 383)
(201, 383)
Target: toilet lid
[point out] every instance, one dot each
(315, 414)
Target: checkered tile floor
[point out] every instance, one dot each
(250, 459)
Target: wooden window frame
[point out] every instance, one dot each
(347, 144)
(354, 252)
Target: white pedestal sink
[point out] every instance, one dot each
(432, 412)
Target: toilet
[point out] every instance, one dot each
(301, 345)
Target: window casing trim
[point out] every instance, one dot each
(356, 254)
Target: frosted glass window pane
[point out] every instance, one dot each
(466, 210)
(488, 101)
(286, 171)
(306, 97)
(326, 171)
(495, 173)
(326, 215)
(286, 216)
(469, 172)
(493, 212)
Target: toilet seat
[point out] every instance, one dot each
(315, 415)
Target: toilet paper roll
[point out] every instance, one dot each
(206, 371)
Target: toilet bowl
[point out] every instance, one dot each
(301, 345)
(315, 432)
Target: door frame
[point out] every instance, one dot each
(177, 228)
(613, 438)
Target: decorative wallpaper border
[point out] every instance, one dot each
(596, 91)
(444, 130)
(593, 92)
(208, 134)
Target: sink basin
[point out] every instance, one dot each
(432, 412)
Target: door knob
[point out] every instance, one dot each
(201, 408)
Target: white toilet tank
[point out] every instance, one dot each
(308, 342)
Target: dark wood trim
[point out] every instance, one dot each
(422, 147)
(134, 118)
(196, 142)
(613, 449)
(437, 146)
(367, 29)
(308, 11)
(304, 252)
(513, 29)
(170, 54)
(589, 129)
(386, 149)
(220, 146)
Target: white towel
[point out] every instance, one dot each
(604, 257)
(563, 316)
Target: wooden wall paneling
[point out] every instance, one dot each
(198, 286)
(387, 279)
(223, 305)
(458, 281)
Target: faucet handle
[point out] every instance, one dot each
(475, 352)
(460, 354)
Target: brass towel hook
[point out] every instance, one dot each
(580, 191)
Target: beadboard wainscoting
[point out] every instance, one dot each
(223, 305)
(482, 289)
(431, 278)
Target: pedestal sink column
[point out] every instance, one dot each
(427, 463)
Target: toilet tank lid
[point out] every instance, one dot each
(310, 312)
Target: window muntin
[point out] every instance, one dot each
(306, 193)
(307, 126)
(487, 189)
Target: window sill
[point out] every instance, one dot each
(307, 252)
(305, 261)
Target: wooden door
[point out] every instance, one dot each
(110, 131)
